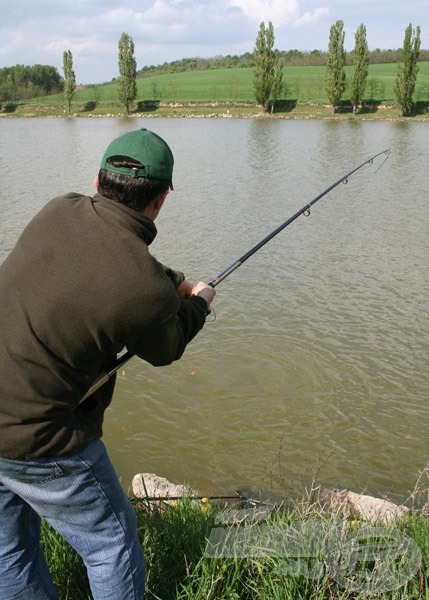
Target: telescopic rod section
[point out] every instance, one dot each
(105, 376)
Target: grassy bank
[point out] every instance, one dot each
(287, 553)
(284, 110)
(229, 93)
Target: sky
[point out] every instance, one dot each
(39, 31)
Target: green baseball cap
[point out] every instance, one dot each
(146, 148)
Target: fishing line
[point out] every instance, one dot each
(305, 210)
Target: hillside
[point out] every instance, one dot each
(234, 86)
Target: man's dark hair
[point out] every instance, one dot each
(134, 192)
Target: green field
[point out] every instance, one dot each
(236, 85)
(229, 93)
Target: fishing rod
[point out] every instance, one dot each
(238, 496)
(305, 210)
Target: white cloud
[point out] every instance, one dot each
(308, 17)
(166, 30)
(279, 12)
(85, 46)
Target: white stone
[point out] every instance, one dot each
(360, 506)
(149, 485)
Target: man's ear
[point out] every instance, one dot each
(96, 182)
(152, 209)
(159, 200)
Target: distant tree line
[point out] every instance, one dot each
(20, 82)
(292, 58)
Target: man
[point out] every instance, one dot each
(78, 288)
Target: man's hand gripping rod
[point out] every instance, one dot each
(105, 376)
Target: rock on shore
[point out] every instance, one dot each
(347, 504)
(149, 485)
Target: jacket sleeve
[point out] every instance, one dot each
(166, 341)
(175, 276)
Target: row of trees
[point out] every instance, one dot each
(127, 85)
(268, 68)
(336, 78)
(21, 82)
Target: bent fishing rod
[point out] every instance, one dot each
(104, 377)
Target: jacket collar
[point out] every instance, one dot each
(143, 226)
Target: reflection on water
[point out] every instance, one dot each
(318, 358)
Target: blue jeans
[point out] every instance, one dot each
(80, 496)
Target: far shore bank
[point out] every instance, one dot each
(292, 110)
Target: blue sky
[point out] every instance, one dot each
(164, 30)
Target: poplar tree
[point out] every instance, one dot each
(264, 62)
(360, 68)
(277, 86)
(407, 72)
(69, 78)
(127, 86)
(335, 78)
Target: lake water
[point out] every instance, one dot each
(317, 362)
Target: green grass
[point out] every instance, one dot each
(229, 92)
(236, 85)
(179, 567)
(65, 566)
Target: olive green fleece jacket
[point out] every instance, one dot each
(78, 288)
